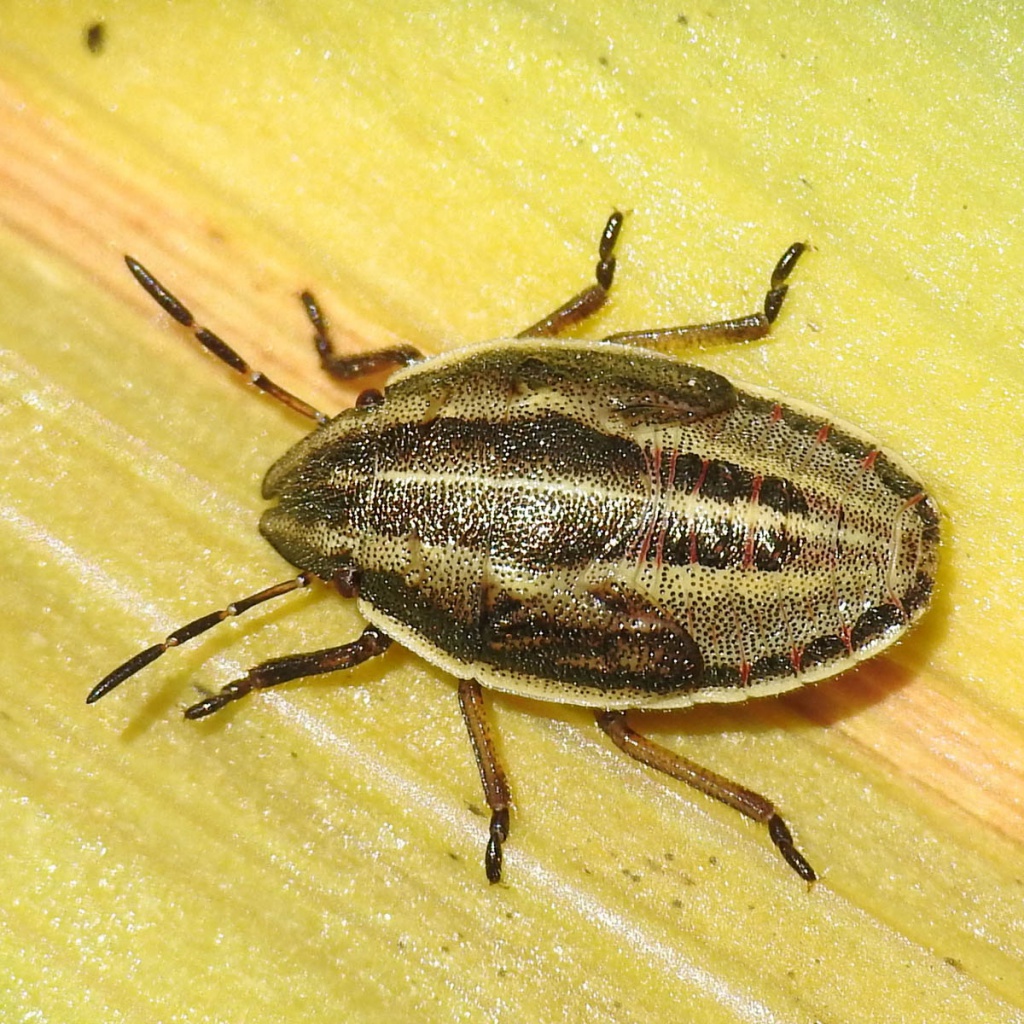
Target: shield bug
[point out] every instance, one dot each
(587, 522)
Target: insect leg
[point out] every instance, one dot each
(212, 343)
(360, 364)
(368, 644)
(593, 297)
(190, 632)
(492, 775)
(742, 328)
(747, 802)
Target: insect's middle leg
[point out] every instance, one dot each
(370, 643)
(492, 775)
(592, 298)
(746, 801)
(741, 328)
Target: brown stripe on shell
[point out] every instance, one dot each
(579, 643)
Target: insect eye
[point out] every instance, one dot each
(371, 398)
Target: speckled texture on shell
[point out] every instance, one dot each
(605, 525)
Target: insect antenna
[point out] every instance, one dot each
(215, 344)
(190, 631)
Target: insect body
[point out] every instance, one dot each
(593, 523)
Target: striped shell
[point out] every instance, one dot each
(600, 524)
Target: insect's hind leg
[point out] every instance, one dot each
(593, 297)
(746, 801)
(742, 328)
(360, 364)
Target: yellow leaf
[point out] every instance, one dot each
(437, 174)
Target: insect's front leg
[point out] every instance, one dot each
(362, 363)
(295, 666)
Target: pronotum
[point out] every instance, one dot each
(587, 522)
